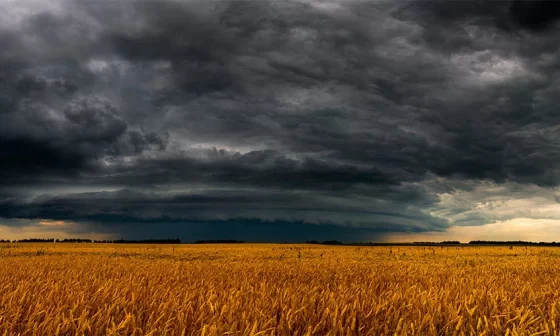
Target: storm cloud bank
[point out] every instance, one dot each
(343, 119)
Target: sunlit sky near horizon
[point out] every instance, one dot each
(286, 120)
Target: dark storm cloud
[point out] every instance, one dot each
(125, 210)
(535, 15)
(36, 143)
(257, 168)
(365, 102)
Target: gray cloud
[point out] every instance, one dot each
(354, 100)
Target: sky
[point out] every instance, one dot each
(280, 120)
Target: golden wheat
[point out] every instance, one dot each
(97, 289)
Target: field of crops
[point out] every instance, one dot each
(98, 289)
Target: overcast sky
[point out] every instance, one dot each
(280, 120)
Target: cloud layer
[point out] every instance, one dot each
(359, 119)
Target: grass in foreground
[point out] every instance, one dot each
(90, 289)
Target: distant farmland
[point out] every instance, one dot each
(265, 289)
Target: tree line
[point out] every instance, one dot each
(517, 242)
(80, 240)
(217, 241)
(446, 242)
(326, 242)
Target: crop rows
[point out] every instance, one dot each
(88, 289)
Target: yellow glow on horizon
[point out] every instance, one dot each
(47, 228)
(526, 229)
(49, 222)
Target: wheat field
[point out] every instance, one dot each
(262, 289)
